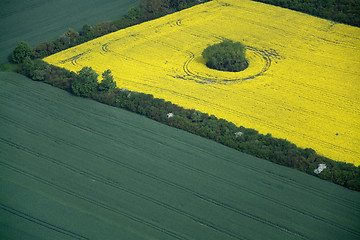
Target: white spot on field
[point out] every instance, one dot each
(320, 168)
(170, 115)
(239, 134)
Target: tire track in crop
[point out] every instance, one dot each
(165, 181)
(111, 183)
(100, 180)
(205, 199)
(40, 222)
(74, 59)
(202, 79)
(92, 201)
(104, 48)
(352, 105)
(268, 198)
(134, 169)
(17, 11)
(115, 184)
(209, 224)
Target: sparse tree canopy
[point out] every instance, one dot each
(21, 51)
(85, 83)
(226, 56)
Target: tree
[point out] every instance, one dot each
(85, 83)
(134, 13)
(35, 69)
(70, 38)
(181, 4)
(226, 56)
(21, 51)
(154, 7)
(101, 29)
(107, 84)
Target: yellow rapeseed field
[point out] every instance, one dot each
(302, 83)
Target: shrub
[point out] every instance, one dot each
(21, 51)
(85, 83)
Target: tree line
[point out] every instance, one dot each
(343, 11)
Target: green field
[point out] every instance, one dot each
(37, 21)
(72, 168)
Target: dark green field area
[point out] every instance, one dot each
(72, 168)
(36, 21)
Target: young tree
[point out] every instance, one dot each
(107, 84)
(86, 83)
(21, 51)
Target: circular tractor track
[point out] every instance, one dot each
(260, 63)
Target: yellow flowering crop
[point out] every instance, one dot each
(302, 83)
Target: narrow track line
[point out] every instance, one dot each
(40, 222)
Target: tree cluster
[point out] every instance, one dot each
(226, 56)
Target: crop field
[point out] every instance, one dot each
(72, 168)
(38, 21)
(302, 83)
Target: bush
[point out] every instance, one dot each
(85, 83)
(226, 56)
(21, 51)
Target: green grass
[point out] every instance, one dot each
(73, 168)
(9, 67)
(37, 21)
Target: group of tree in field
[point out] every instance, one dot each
(85, 83)
(226, 56)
